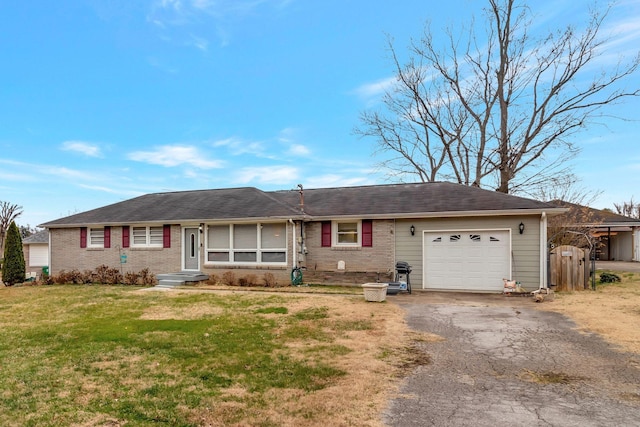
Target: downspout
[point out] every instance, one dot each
(49, 251)
(544, 255)
(295, 248)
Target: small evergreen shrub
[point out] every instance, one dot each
(13, 265)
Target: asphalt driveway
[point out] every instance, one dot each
(502, 362)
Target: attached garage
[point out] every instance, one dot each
(467, 260)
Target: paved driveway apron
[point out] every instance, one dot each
(483, 372)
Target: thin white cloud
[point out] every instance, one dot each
(130, 193)
(17, 176)
(288, 137)
(335, 180)
(68, 174)
(237, 147)
(175, 155)
(298, 150)
(179, 15)
(267, 175)
(375, 89)
(200, 43)
(82, 147)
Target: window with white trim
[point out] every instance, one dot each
(347, 233)
(96, 238)
(261, 243)
(146, 237)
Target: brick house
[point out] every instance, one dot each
(455, 237)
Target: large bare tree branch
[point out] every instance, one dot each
(497, 108)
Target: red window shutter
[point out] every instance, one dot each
(326, 234)
(166, 236)
(125, 236)
(83, 237)
(107, 237)
(367, 233)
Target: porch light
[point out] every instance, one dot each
(413, 230)
(521, 228)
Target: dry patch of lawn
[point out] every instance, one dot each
(612, 310)
(115, 356)
(371, 346)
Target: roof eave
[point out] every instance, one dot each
(449, 214)
(177, 221)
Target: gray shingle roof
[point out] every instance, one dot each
(184, 206)
(598, 217)
(407, 199)
(401, 200)
(39, 237)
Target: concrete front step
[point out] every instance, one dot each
(184, 276)
(169, 283)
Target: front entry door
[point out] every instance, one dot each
(191, 248)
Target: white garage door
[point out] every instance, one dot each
(467, 260)
(38, 255)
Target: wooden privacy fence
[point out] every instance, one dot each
(570, 268)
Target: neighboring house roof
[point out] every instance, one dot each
(592, 217)
(39, 237)
(375, 201)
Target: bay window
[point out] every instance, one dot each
(247, 243)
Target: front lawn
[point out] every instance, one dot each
(115, 356)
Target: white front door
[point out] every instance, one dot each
(191, 248)
(467, 260)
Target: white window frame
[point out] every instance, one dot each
(335, 234)
(258, 250)
(96, 241)
(147, 236)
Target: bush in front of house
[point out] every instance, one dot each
(248, 280)
(102, 275)
(229, 278)
(270, 280)
(13, 265)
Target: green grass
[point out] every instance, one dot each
(90, 355)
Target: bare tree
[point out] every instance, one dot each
(499, 110)
(8, 213)
(630, 208)
(572, 227)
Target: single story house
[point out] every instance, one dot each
(36, 253)
(455, 237)
(616, 237)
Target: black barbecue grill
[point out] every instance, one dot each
(402, 282)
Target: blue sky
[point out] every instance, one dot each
(104, 100)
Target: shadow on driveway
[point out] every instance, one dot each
(504, 363)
